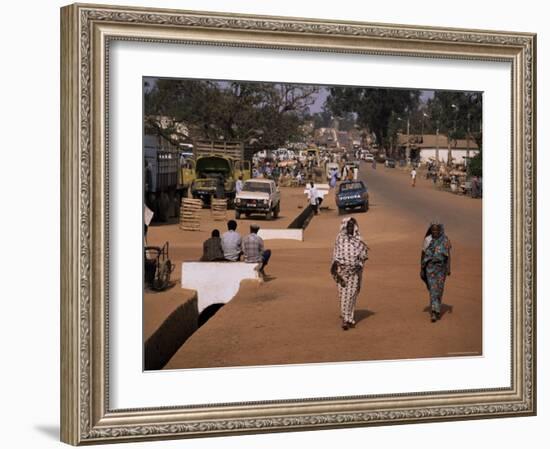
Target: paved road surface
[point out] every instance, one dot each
(293, 318)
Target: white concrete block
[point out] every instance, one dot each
(216, 282)
(284, 234)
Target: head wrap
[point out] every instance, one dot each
(349, 249)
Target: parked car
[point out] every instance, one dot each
(368, 157)
(352, 195)
(258, 197)
(390, 163)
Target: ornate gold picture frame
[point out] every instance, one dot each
(87, 32)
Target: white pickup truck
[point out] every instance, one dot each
(258, 197)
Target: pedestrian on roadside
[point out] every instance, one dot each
(348, 260)
(239, 185)
(345, 172)
(333, 178)
(212, 248)
(147, 218)
(413, 177)
(231, 242)
(254, 251)
(374, 163)
(313, 197)
(435, 265)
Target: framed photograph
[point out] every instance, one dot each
(277, 224)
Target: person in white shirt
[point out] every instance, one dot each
(231, 242)
(239, 185)
(314, 198)
(413, 177)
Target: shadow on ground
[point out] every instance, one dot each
(363, 314)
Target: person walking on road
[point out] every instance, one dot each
(314, 197)
(349, 257)
(413, 177)
(435, 266)
(239, 185)
(333, 178)
(253, 249)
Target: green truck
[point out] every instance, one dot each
(217, 167)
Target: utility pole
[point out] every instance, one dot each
(408, 155)
(408, 145)
(437, 143)
(468, 140)
(450, 156)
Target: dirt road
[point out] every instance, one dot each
(294, 316)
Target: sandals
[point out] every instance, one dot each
(348, 325)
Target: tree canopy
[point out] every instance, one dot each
(246, 111)
(374, 107)
(457, 114)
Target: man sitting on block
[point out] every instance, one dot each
(253, 249)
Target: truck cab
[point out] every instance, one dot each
(258, 197)
(214, 177)
(352, 195)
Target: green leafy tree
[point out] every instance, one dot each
(459, 115)
(374, 107)
(267, 114)
(475, 167)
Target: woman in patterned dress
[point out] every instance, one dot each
(435, 263)
(348, 260)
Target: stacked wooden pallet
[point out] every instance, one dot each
(219, 209)
(190, 214)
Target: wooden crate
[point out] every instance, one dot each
(190, 214)
(219, 209)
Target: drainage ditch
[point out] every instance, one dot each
(303, 219)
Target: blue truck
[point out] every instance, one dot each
(352, 195)
(163, 187)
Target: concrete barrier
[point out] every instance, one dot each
(169, 320)
(216, 282)
(286, 234)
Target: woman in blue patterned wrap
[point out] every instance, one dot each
(435, 263)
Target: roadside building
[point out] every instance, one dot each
(436, 147)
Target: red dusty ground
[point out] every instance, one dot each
(293, 317)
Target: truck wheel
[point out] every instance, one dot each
(237, 214)
(177, 204)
